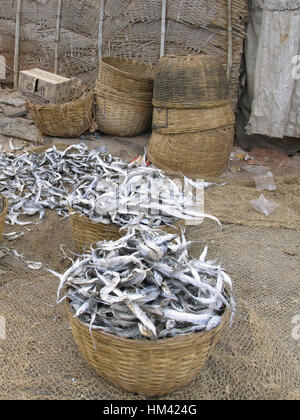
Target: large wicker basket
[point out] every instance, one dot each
(70, 119)
(194, 155)
(194, 81)
(146, 367)
(133, 94)
(85, 232)
(3, 214)
(126, 76)
(120, 116)
(178, 121)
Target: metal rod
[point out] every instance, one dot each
(17, 44)
(163, 28)
(58, 20)
(229, 57)
(101, 22)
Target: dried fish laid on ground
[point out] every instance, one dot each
(34, 182)
(124, 193)
(34, 265)
(146, 285)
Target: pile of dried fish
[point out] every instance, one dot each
(33, 182)
(124, 194)
(105, 189)
(145, 285)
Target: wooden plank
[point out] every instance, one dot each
(58, 20)
(229, 23)
(17, 43)
(101, 24)
(163, 28)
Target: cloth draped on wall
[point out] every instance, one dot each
(273, 68)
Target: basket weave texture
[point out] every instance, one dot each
(3, 214)
(193, 121)
(123, 95)
(178, 121)
(85, 232)
(194, 81)
(120, 116)
(194, 155)
(146, 367)
(70, 119)
(125, 76)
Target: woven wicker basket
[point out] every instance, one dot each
(126, 75)
(147, 368)
(120, 116)
(3, 214)
(70, 119)
(100, 89)
(85, 232)
(177, 121)
(194, 81)
(195, 155)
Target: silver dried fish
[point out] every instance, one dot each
(123, 289)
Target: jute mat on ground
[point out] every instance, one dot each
(231, 203)
(258, 358)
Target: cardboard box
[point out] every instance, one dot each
(43, 87)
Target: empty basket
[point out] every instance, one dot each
(200, 154)
(121, 116)
(178, 121)
(194, 81)
(70, 119)
(126, 76)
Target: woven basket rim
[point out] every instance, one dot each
(152, 343)
(50, 107)
(102, 88)
(219, 106)
(204, 132)
(125, 73)
(191, 120)
(102, 93)
(87, 220)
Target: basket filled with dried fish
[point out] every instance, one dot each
(85, 232)
(3, 213)
(122, 194)
(144, 314)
